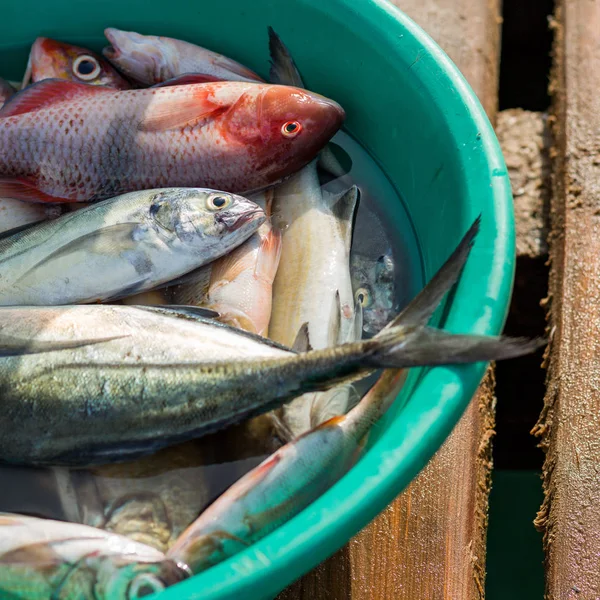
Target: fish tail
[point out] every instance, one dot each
(408, 342)
(426, 346)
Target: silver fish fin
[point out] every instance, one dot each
(334, 403)
(181, 309)
(335, 321)
(328, 162)
(14, 346)
(284, 433)
(302, 341)
(283, 68)
(355, 332)
(344, 208)
(102, 241)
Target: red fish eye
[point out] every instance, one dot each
(291, 128)
(86, 67)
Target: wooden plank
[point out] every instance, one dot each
(430, 542)
(525, 141)
(569, 425)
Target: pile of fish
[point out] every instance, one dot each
(170, 266)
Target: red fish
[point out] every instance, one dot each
(51, 59)
(67, 142)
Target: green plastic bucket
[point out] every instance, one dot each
(413, 111)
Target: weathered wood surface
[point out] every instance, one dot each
(569, 426)
(525, 141)
(430, 542)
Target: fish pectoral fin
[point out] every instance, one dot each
(172, 113)
(344, 208)
(283, 68)
(302, 341)
(46, 93)
(333, 403)
(24, 188)
(182, 310)
(269, 254)
(14, 346)
(113, 239)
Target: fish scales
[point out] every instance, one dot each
(96, 143)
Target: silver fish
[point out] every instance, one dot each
(42, 559)
(373, 285)
(151, 59)
(156, 376)
(313, 282)
(121, 246)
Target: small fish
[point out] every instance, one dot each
(156, 376)
(50, 59)
(14, 214)
(6, 91)
(62, 141)
(121, 246)
(239, 285)
(373, 285)
(302, 470)
(151, 59)
(42, 559)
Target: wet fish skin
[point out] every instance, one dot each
(239, 285)
(228, 136)
(167, 378)
(373, 285)
(151, 59)
(41, 559)
(49, 59)
(128, 244)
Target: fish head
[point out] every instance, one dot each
(283, 127)
(50, 59)
(195, 217)
(129, 576)
(149, 59)
(373, 285)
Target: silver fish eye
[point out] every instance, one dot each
(86, 67)
(363, 297)
(218, 202)
(144, 584)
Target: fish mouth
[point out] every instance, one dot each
(113, 51)
(233, 222)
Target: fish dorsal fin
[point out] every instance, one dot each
(355, 332)
(188, 79)
(283, 68)
(172, 111)
(344, 208)
(302, 341)
(48, 92)
(335, 321)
